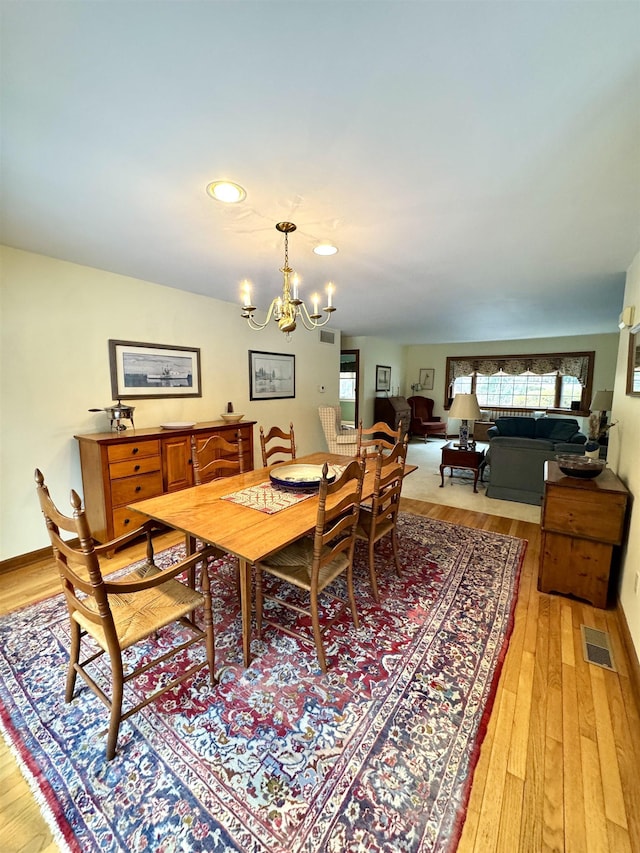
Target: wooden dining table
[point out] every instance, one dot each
(249, 534)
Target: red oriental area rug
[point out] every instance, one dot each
(377, 755)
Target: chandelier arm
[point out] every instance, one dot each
(253, 323)
(307, 321)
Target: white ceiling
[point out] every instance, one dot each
(478, 164)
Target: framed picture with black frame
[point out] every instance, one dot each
(272, 375)
(383, 377)
(153, 371)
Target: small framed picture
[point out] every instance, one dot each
(272, 375)
(153, 370)
(426, 378)
(383, 377)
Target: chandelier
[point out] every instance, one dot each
(288, 308)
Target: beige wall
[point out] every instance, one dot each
(55, 321)
(624, 459)
(374, 351)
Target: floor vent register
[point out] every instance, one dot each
(597, 648)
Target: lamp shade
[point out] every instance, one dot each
(465, 407)
(602, 401)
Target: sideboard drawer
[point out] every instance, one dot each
(585, 514)
(130, 489)
(133, 450)
(125, 520)
(132, 467)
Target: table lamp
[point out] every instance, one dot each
(602, 402)
(465, 406)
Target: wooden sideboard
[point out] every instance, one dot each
(582, 523)
(121, 468)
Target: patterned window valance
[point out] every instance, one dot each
(566, 364)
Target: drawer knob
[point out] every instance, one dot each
(135, 450)
(126, 521)
(136, 468)
(138, 488)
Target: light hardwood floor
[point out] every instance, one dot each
(559, 768)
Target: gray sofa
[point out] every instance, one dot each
(518, 449)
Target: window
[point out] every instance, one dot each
(526, 382)
(347, 386)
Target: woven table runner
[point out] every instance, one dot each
(266, 498)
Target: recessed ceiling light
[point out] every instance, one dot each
(325, 249)
(226, 191)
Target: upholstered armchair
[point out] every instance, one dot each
(423, 421)
(339, 439)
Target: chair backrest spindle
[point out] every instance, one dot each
(271, 445)
(377, 438)
(215, 458)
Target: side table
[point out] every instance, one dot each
(582, 524)
(469, 459)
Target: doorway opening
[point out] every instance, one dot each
(349, 386)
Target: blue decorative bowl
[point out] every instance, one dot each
(299, 478)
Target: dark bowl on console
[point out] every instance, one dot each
(583, 467)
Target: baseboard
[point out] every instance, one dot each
(632, 654)
(24, 560)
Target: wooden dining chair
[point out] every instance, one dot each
(376, 438)
(380, 518)
(117, 614)
(215, 457)
(271, 445)
(313, 563)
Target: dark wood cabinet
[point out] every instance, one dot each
(119, 469)
(393, 411)
(582, 524)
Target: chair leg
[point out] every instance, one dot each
(116, 704)
(191, 547)
(74, 657)
(352, 597)
(259, 601)
(317, 633)
(396, 556)
(205, 585)
(372, 572)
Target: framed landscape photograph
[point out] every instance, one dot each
(383, 377)
(153, 371)
(272, 375)
(426, 378)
